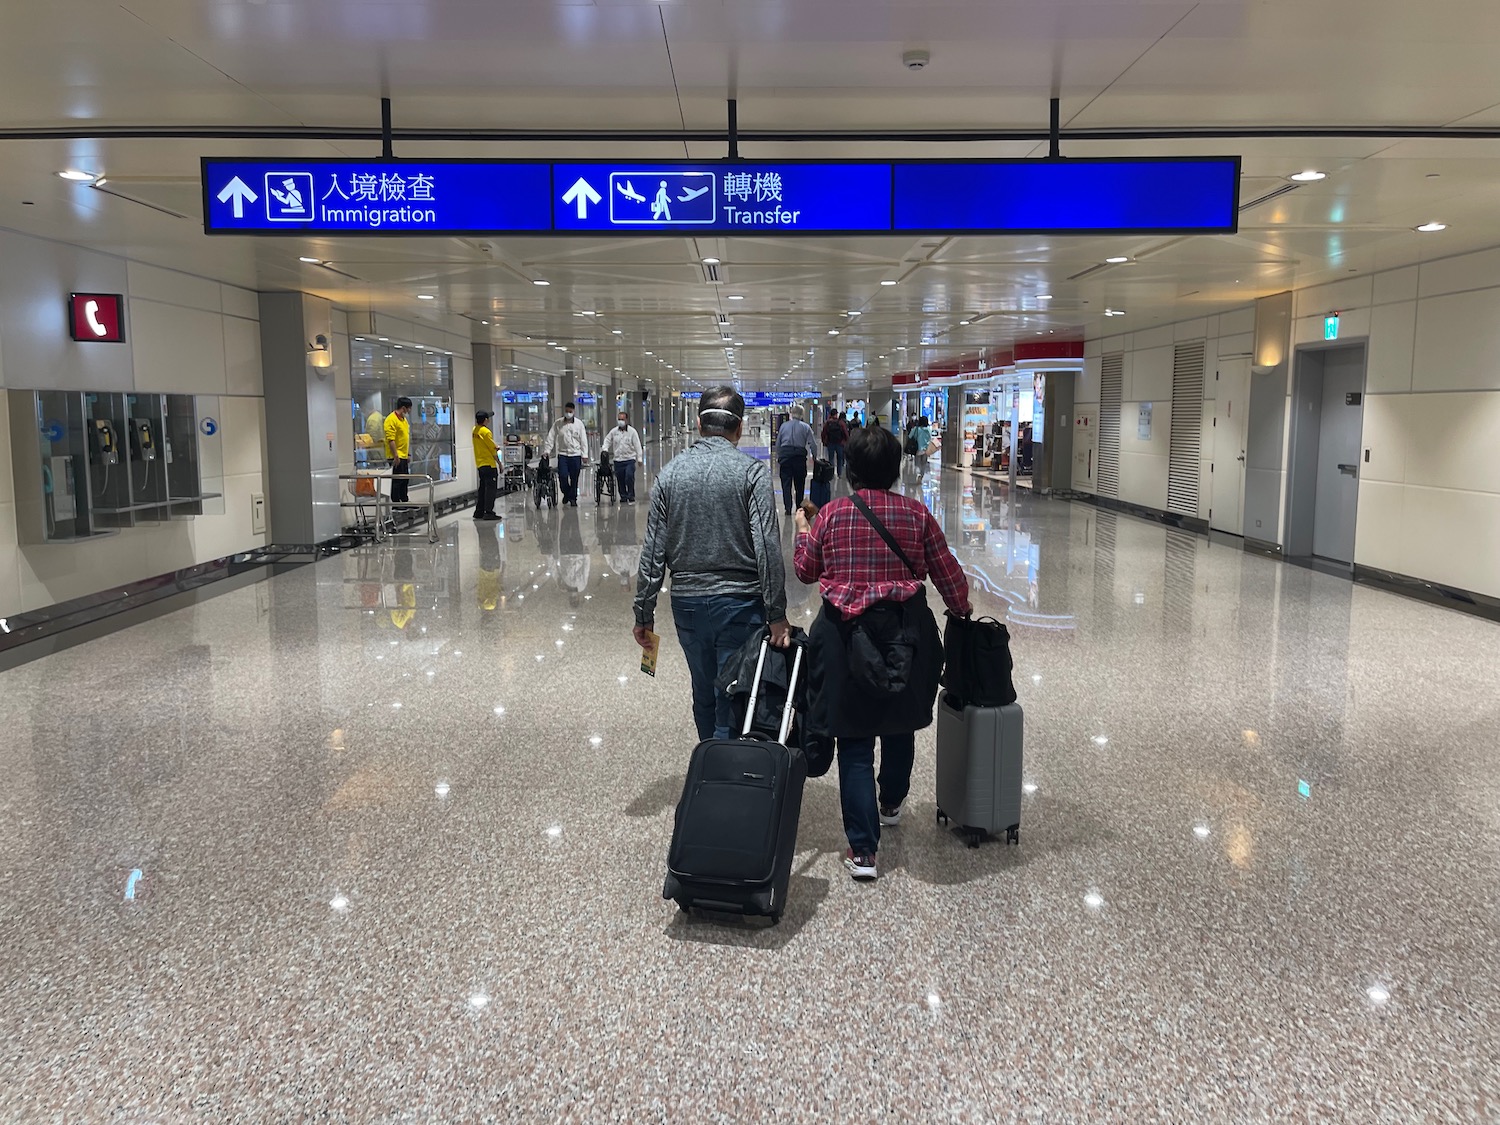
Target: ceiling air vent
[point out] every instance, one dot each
(1270, 195)
(711, 275)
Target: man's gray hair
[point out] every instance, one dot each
(798, 413)
(720, 412)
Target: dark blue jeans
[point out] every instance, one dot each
(858, 785)
(625, 478)
(836, 458)
(711, 630)
(568, 469)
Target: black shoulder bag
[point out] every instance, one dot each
(882, 643)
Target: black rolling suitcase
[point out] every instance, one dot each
(736, 830)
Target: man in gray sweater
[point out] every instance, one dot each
(712, 522)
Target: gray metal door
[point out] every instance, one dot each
(1338, 455)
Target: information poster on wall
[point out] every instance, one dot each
(1143, 422)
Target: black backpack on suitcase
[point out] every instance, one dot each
(736, 829)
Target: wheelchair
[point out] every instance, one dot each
(545, 487)
(604, 479)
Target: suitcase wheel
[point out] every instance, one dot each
(942, 817)
(1013, 834)
(775, 919)
(974, 836)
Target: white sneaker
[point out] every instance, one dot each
(889, 818)
(862, 867)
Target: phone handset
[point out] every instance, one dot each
(104, 442)
(91, 315)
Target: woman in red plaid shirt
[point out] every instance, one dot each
(874, 588)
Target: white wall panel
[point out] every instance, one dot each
(1238, 322)
(152, 283)
(1453, 537)
(1396, 285)
(1149, 378)
(1393, 333)
(36, 277)
(1453, 275)
(10, 570)
(242, 430)
(243, 372)
(1241, 343)
(1144, 464)
(1386, 436)
(1379, 535)
(1092, 348)
(1453, 440)
(1458, 342)
(1161, 337)
(243, 303)
(1087, 387)
(1191, 329)
(1355, 293)
(178, 349)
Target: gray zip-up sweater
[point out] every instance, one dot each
(713, 523)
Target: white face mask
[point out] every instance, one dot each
(568, 416)
(623, 423)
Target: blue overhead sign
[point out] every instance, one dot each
(1199, 196)
(375, 196)
(735, 197)
(445, 197)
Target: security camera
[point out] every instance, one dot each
(916, 60)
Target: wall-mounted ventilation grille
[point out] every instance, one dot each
(711, 275)
(1186, 447)
(1111, 384)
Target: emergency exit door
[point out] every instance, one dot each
(1325, 462)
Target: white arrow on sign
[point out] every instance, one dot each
(240, 192)
(583, 193)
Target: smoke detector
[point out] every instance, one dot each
(916, 60)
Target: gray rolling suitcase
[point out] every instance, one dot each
(979, 769)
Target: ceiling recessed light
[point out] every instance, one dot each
(587, 312)
(1044, 296)
(553, 344)
(539, 281)
(965, 322)
(887, 281)
(1118, 259)
(650, 353)
(618, 331)
(426, 297)
(311, 261)
(833, 331)
(853, 312)
(710, 261)
(77, 175)
(1429, 228)
(1309, 176)
(736, 296)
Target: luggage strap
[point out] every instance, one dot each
(884, 533)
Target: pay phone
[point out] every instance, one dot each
(102, 440)
(142, 440)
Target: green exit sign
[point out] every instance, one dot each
(1331, 326)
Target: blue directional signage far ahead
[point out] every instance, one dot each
(415, 197)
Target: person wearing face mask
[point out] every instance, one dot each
(623, 447)
(569, 442)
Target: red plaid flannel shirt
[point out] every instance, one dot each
(855, 568)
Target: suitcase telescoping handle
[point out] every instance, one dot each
(791, 690)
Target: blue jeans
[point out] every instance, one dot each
(712, 629)
(836, 458)
(625, 478)
(568, 470)
(858, 784)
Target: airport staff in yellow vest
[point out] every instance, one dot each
(488, 464)
(398, 448)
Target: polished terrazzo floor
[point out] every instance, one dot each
(382, 840)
